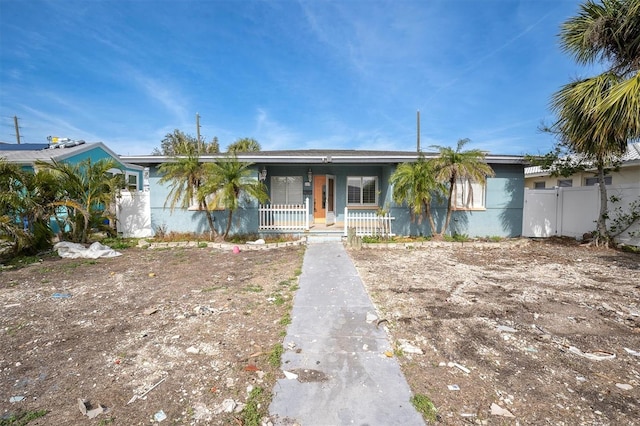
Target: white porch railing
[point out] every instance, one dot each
(368, 223)
(284, 217)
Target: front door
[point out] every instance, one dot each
(319, 196)
(324, 199)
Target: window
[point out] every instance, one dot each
(362, 191)
(469, 194)
(286, 189)
(592, 181)
(538, 185)
(565, 183)
(132, 181)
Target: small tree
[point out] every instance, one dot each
(180, 143)
(185, 175)
(452, 166)
(228, 180)
(415, 184)
(85, 191)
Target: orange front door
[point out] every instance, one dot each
(319, 197)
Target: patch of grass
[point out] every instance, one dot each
(397, 351)
(253, 288)
(21, 261)
(119, 243)
(278, 300)
(108, 421)
(202, 245)
(286, 319)
(256, 407)
(22, 419)
(423, 404)
(275, 355)
(298, 272)
(630, 249)
(458, 238)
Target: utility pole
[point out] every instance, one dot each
(198, 131)
(15, 123)
(418, 137)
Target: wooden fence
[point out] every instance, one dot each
(284, 217)
(367, 223)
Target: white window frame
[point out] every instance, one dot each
(361, 195)
(132, 187)
(469, 195)
(293, 190)
(565, 183)
(539, 185)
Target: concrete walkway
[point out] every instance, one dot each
(343, 376)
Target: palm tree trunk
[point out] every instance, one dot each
(212, 229)
(226, 232)
(432, 223)
(603, 234)
(452, 184)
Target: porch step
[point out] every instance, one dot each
(323, 237)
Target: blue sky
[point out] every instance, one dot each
(347, 74)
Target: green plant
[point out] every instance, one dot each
(255, 409)
(119, 243)
(253, 288)
(22, 418)
(286, 319)
(423, 404)
(108, 421)
(202, 244)
(275, 355)
(459, 238)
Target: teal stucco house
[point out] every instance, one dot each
(329, 191)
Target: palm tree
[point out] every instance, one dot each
(180, 143)
(229, 180)
(244, 145)
(86, 191)
(452, 166)
(598, 116)
(26, 205)
(185, 176)
(415, 184)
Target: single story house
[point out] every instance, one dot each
(628, 173)
(329, 190)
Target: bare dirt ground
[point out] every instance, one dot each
(203, 323)
(547, 330)
(529, 321)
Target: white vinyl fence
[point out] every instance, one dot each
(573, 212)
(367, 223)
(284, 217)
(133, 213)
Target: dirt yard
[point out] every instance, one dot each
(202, 324)
(549, 332)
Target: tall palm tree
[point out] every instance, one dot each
(415, 184)
(244, 145)
(598, 116)
(228, 181)
(185, 176)
(86, 190)
(456, 165)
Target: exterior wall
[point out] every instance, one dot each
(628, 175)
(502, 216)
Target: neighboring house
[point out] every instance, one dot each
(627, 174)
(331, 187)
(72, 152)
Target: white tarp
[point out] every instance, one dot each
(75, 251)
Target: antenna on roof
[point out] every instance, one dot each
(418, 132)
